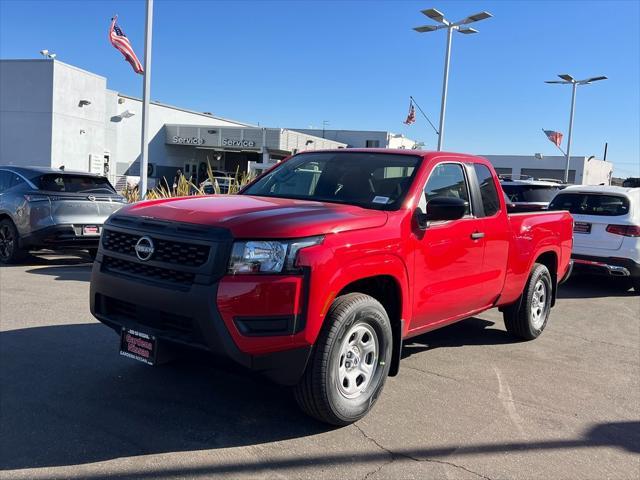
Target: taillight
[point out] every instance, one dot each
(625, 230)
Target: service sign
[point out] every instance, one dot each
(231, 138)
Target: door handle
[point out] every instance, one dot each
(477, 235)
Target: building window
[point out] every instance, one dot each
(373, 144)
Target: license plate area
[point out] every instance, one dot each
(139, 346)
(581, 227)
(90, 230)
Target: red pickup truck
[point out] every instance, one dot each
(319, 269)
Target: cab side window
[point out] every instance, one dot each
(488, 191)
(448, 180)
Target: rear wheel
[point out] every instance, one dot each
(527, 318)
(350, 362)
(10, 251)
(635, 282)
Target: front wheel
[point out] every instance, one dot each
(527, 318)
(350, 362)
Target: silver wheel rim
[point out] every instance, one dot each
(358, 360)
(538, 304)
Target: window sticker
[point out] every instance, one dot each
(379, 199)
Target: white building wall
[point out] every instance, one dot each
(353, 138)
(597, 172)
(78, 131)
(296, 141)
(25, 112)
(399, 141)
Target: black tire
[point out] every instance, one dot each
(10, 251)
(519, 318)
(635, 283)
(320, 393)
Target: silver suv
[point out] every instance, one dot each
(47, 208)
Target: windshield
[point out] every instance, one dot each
(591, 204)
(530, 193)
(370, 180)
(55, 182)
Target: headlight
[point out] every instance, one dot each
(267, 256)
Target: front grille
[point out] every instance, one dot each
(157, 319)
(166, 251)
(137, 269)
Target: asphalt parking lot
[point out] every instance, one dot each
(469, 401)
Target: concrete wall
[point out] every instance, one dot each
(597, 172)
(26, 111)
(78, 131)
(401, 142)
(353, 138)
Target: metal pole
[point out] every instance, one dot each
(445, 82)
(573, 105)
(146, 93)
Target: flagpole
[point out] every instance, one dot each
(146, 93)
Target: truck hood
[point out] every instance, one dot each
(249, 216)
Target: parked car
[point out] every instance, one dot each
(606, 229)
(319, 269)
(52, 209)
(529, 195)
(223, 179)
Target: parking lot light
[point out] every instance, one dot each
(439, 17)
(569, 80)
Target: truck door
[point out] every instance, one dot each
(448, 254)
(496, 230)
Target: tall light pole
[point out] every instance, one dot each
(566, 80)
(146, 94)
(458, 26)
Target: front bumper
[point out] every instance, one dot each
(60, 237)
(182, 295)
(613, 266)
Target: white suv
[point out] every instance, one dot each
(606, 232)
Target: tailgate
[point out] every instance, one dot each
(82, 209)
(591, 232)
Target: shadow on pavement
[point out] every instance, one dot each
(67, 397)
(622, 435)
(595, 286)
(472, 331)
(80, 272)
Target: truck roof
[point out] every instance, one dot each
(396, 151)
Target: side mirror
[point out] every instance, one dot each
(441, 208)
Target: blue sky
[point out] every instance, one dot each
(355, 63)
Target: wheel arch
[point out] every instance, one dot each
(387, 290)
(549, 259)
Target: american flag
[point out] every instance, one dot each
(121, 42)
(411, 117)
(554, 137)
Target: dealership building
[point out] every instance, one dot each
(55, 114)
